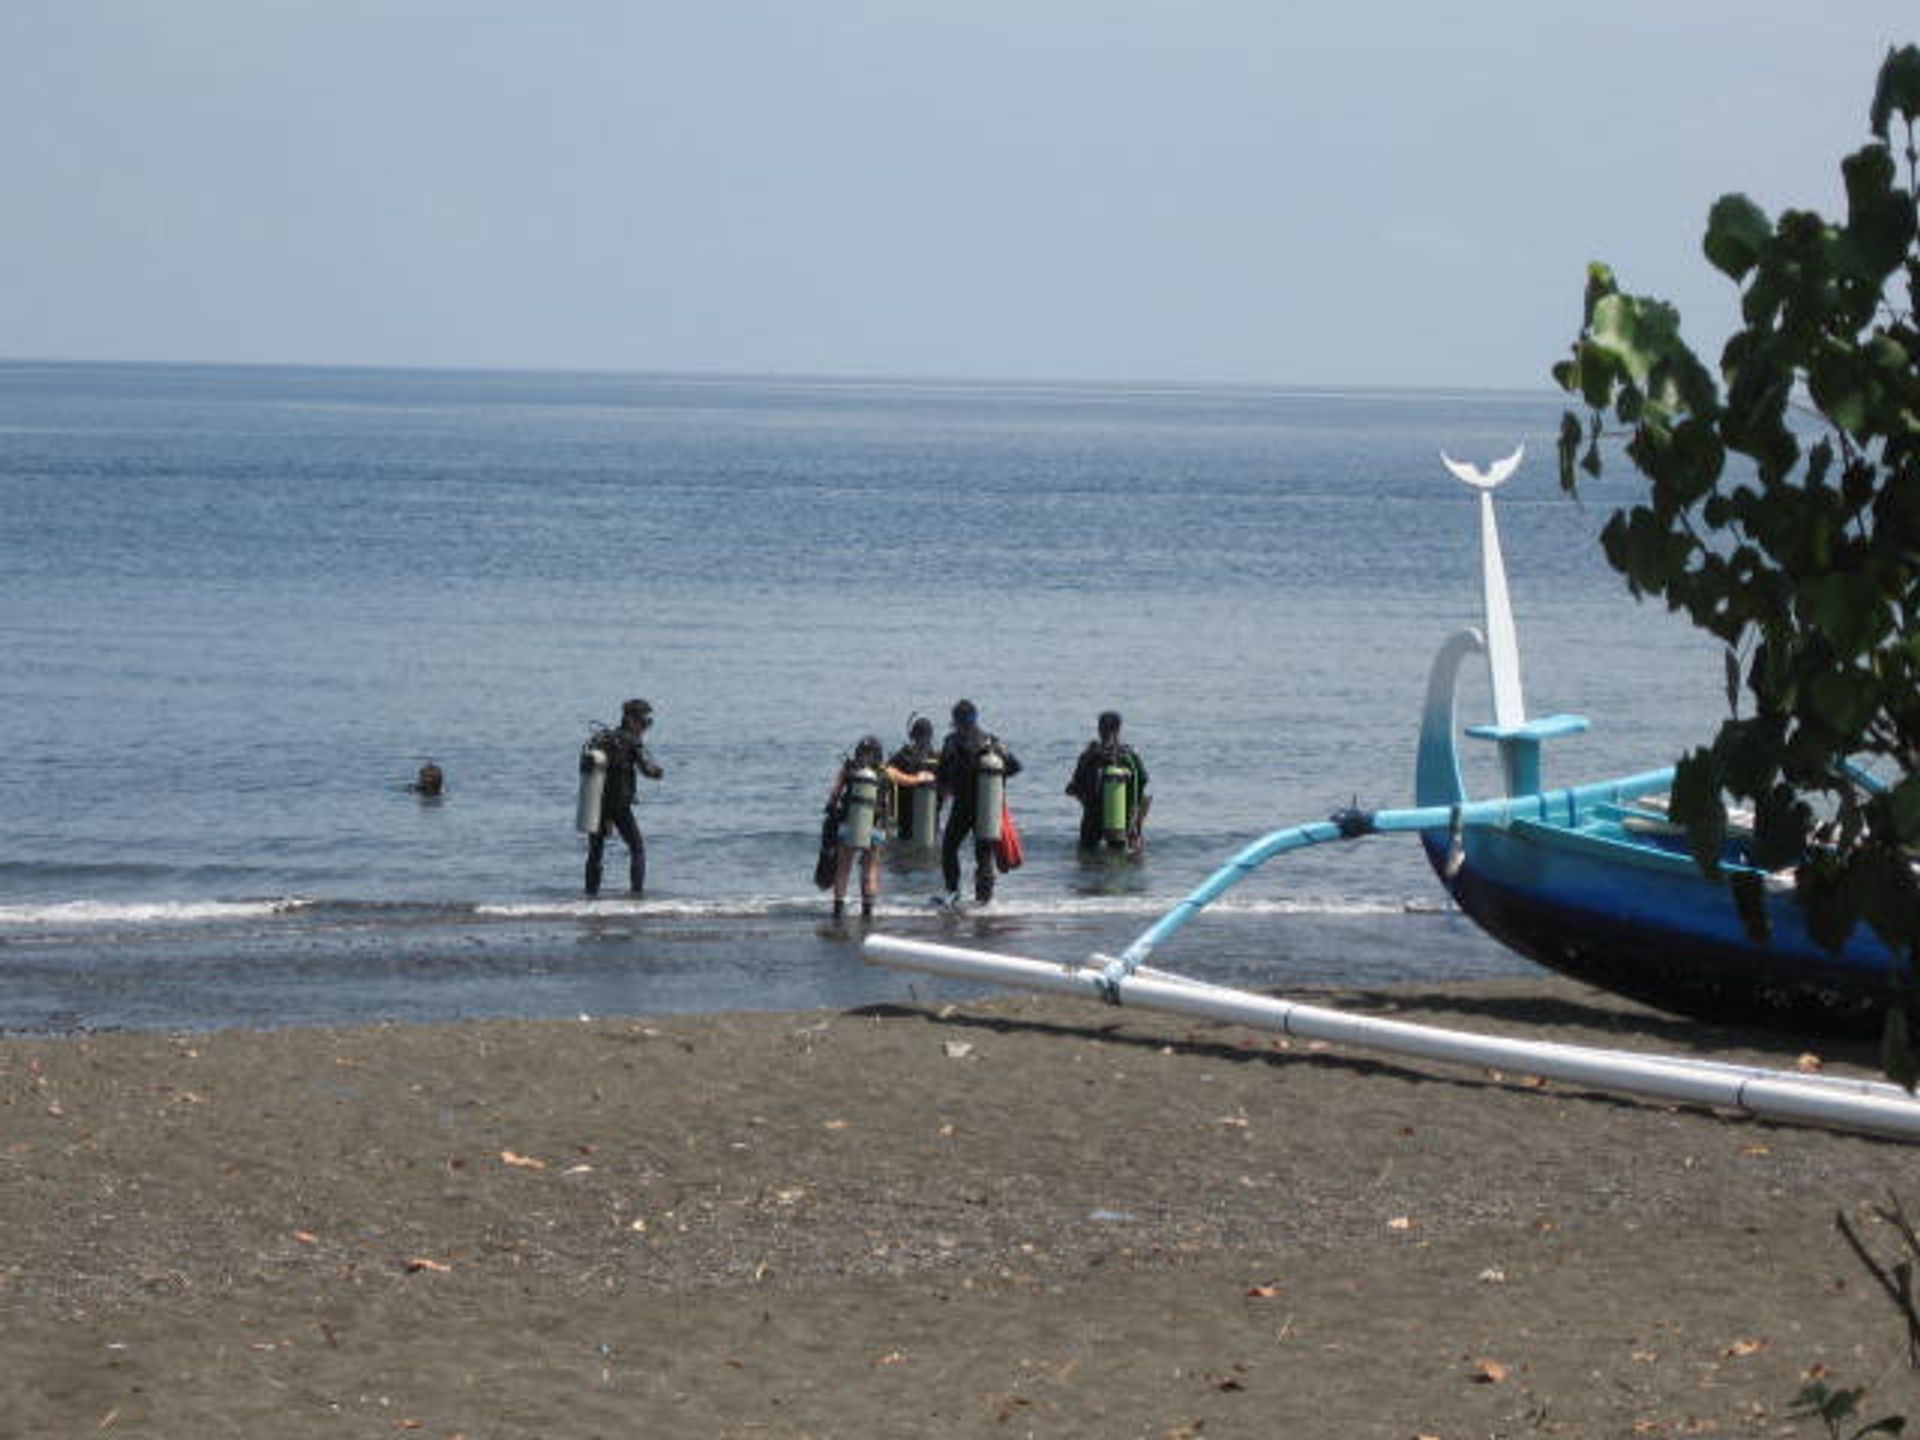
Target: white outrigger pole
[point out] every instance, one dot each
(1867, 1106)
(1864, 1105)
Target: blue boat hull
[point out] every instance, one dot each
(1588, 883)
(1672, 942)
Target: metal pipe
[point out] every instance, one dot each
(1776, 1095)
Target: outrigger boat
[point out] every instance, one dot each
(1593, 881)
(1597, 883)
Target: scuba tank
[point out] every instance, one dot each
(593, 788)
(1116, 782)
(990, 794)
(918, 814)
(858, 803)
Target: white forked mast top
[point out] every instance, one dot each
(1503, 644)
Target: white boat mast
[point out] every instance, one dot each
(1503, 642)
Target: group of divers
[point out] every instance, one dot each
(875, 796)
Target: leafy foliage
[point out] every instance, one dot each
(1783, 517)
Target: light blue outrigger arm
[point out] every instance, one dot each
(1551, 805)
(1439, 789)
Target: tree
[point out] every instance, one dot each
(1782, 516)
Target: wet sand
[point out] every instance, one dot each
(1011, 1218)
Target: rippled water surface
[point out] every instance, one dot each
(238, 608)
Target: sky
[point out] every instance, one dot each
(1190, 191)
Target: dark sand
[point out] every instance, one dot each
(1021, 1218)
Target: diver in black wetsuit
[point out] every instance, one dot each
(627, 756)
(916, 757)
(959, 782)
(1088, 785)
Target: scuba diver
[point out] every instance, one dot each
(917, 815)
(973, 770)
(624, 755)
(860, 807)
(1110, 782)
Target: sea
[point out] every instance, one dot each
(240, 606)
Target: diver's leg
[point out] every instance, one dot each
(596, 846)
(959, 822)
(842, 867)
(623, 821)
(983, 870)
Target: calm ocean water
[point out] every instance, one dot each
(239, 606)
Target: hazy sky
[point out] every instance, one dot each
(1234, 190)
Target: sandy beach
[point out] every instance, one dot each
(1011, 1218)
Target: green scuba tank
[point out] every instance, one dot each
(861, 799)
(990, 794)
(1116, 783)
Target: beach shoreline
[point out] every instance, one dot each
(1014, 1216)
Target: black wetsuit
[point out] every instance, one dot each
(959, 782)
(626, 755)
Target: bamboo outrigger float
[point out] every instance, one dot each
(1591, 880)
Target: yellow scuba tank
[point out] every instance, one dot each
(1116, 782)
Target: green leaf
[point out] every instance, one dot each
(1696, 804)
(1824, 897)
(1596, 372)
(1843, 389)
(1746, 755)
(1845, 607)
(1880, 219)
(1635, 333)
(1882, 891)
(1782, 824)
(1571, 437)
(1737, 231)
(1898, 88)
(1843, 700)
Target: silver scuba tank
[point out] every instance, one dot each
(990, 793)
(1115, 781)
(921, 809)
(593, 788)
(858, 803)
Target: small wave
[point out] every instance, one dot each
(99, 914)
(1011, 905)
(146, 912)
(667, 908)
